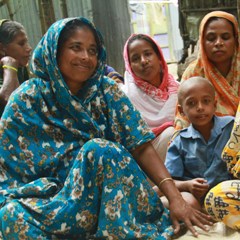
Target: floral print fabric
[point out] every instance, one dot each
(65, 167)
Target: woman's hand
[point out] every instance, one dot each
(10, 80)
(180, 211)
(9, 61)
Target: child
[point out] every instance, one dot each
(194, 155)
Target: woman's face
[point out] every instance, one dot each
(19, 49)
(219, 41)
(144, 61)
(77, 59)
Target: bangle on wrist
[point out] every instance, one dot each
(163, 181)
(10, 67)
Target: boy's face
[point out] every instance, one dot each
(198, 104)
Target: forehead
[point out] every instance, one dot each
(19, 36)
(218, 24)
(196, 89)
(82, 35)
(139, 45)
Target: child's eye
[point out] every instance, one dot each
(206, 101)
(191, 103)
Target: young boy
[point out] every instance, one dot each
(194, 155)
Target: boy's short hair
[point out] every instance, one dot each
(193, 80)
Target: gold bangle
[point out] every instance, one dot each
(164, 180)
(10, 67)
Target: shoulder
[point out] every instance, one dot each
(110, 86)
(186, 132)
(223, 121)
(30, 89)
(192, 70)
(223, 125)
(113, 93)
(173, 84)
(25, 99)
(177, 135)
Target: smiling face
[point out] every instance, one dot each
(19, 48)
(219, 42)
(77, 58)
(144, 61)
(197, 102)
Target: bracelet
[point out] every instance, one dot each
(164, 180)
(10, 67)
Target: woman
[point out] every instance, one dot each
(73, 170)
(223, 201)
(218, 61)
(150, 87)
(14, 56)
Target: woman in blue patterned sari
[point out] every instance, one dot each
(71, 151)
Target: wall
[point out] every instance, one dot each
(110, 16)
(27, 12)
(159, 19)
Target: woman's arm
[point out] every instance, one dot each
(148, 160)
(10, 80)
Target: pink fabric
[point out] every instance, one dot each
(160, 129)
(168, 85)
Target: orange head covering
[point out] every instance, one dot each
(227, 88)
(219, 14)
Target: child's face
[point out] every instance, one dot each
(198, 104)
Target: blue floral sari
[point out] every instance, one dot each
(66, 171)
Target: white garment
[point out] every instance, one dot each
(154, 111)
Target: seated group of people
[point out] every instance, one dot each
(87, 156)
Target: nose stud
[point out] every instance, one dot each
(147, 61)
